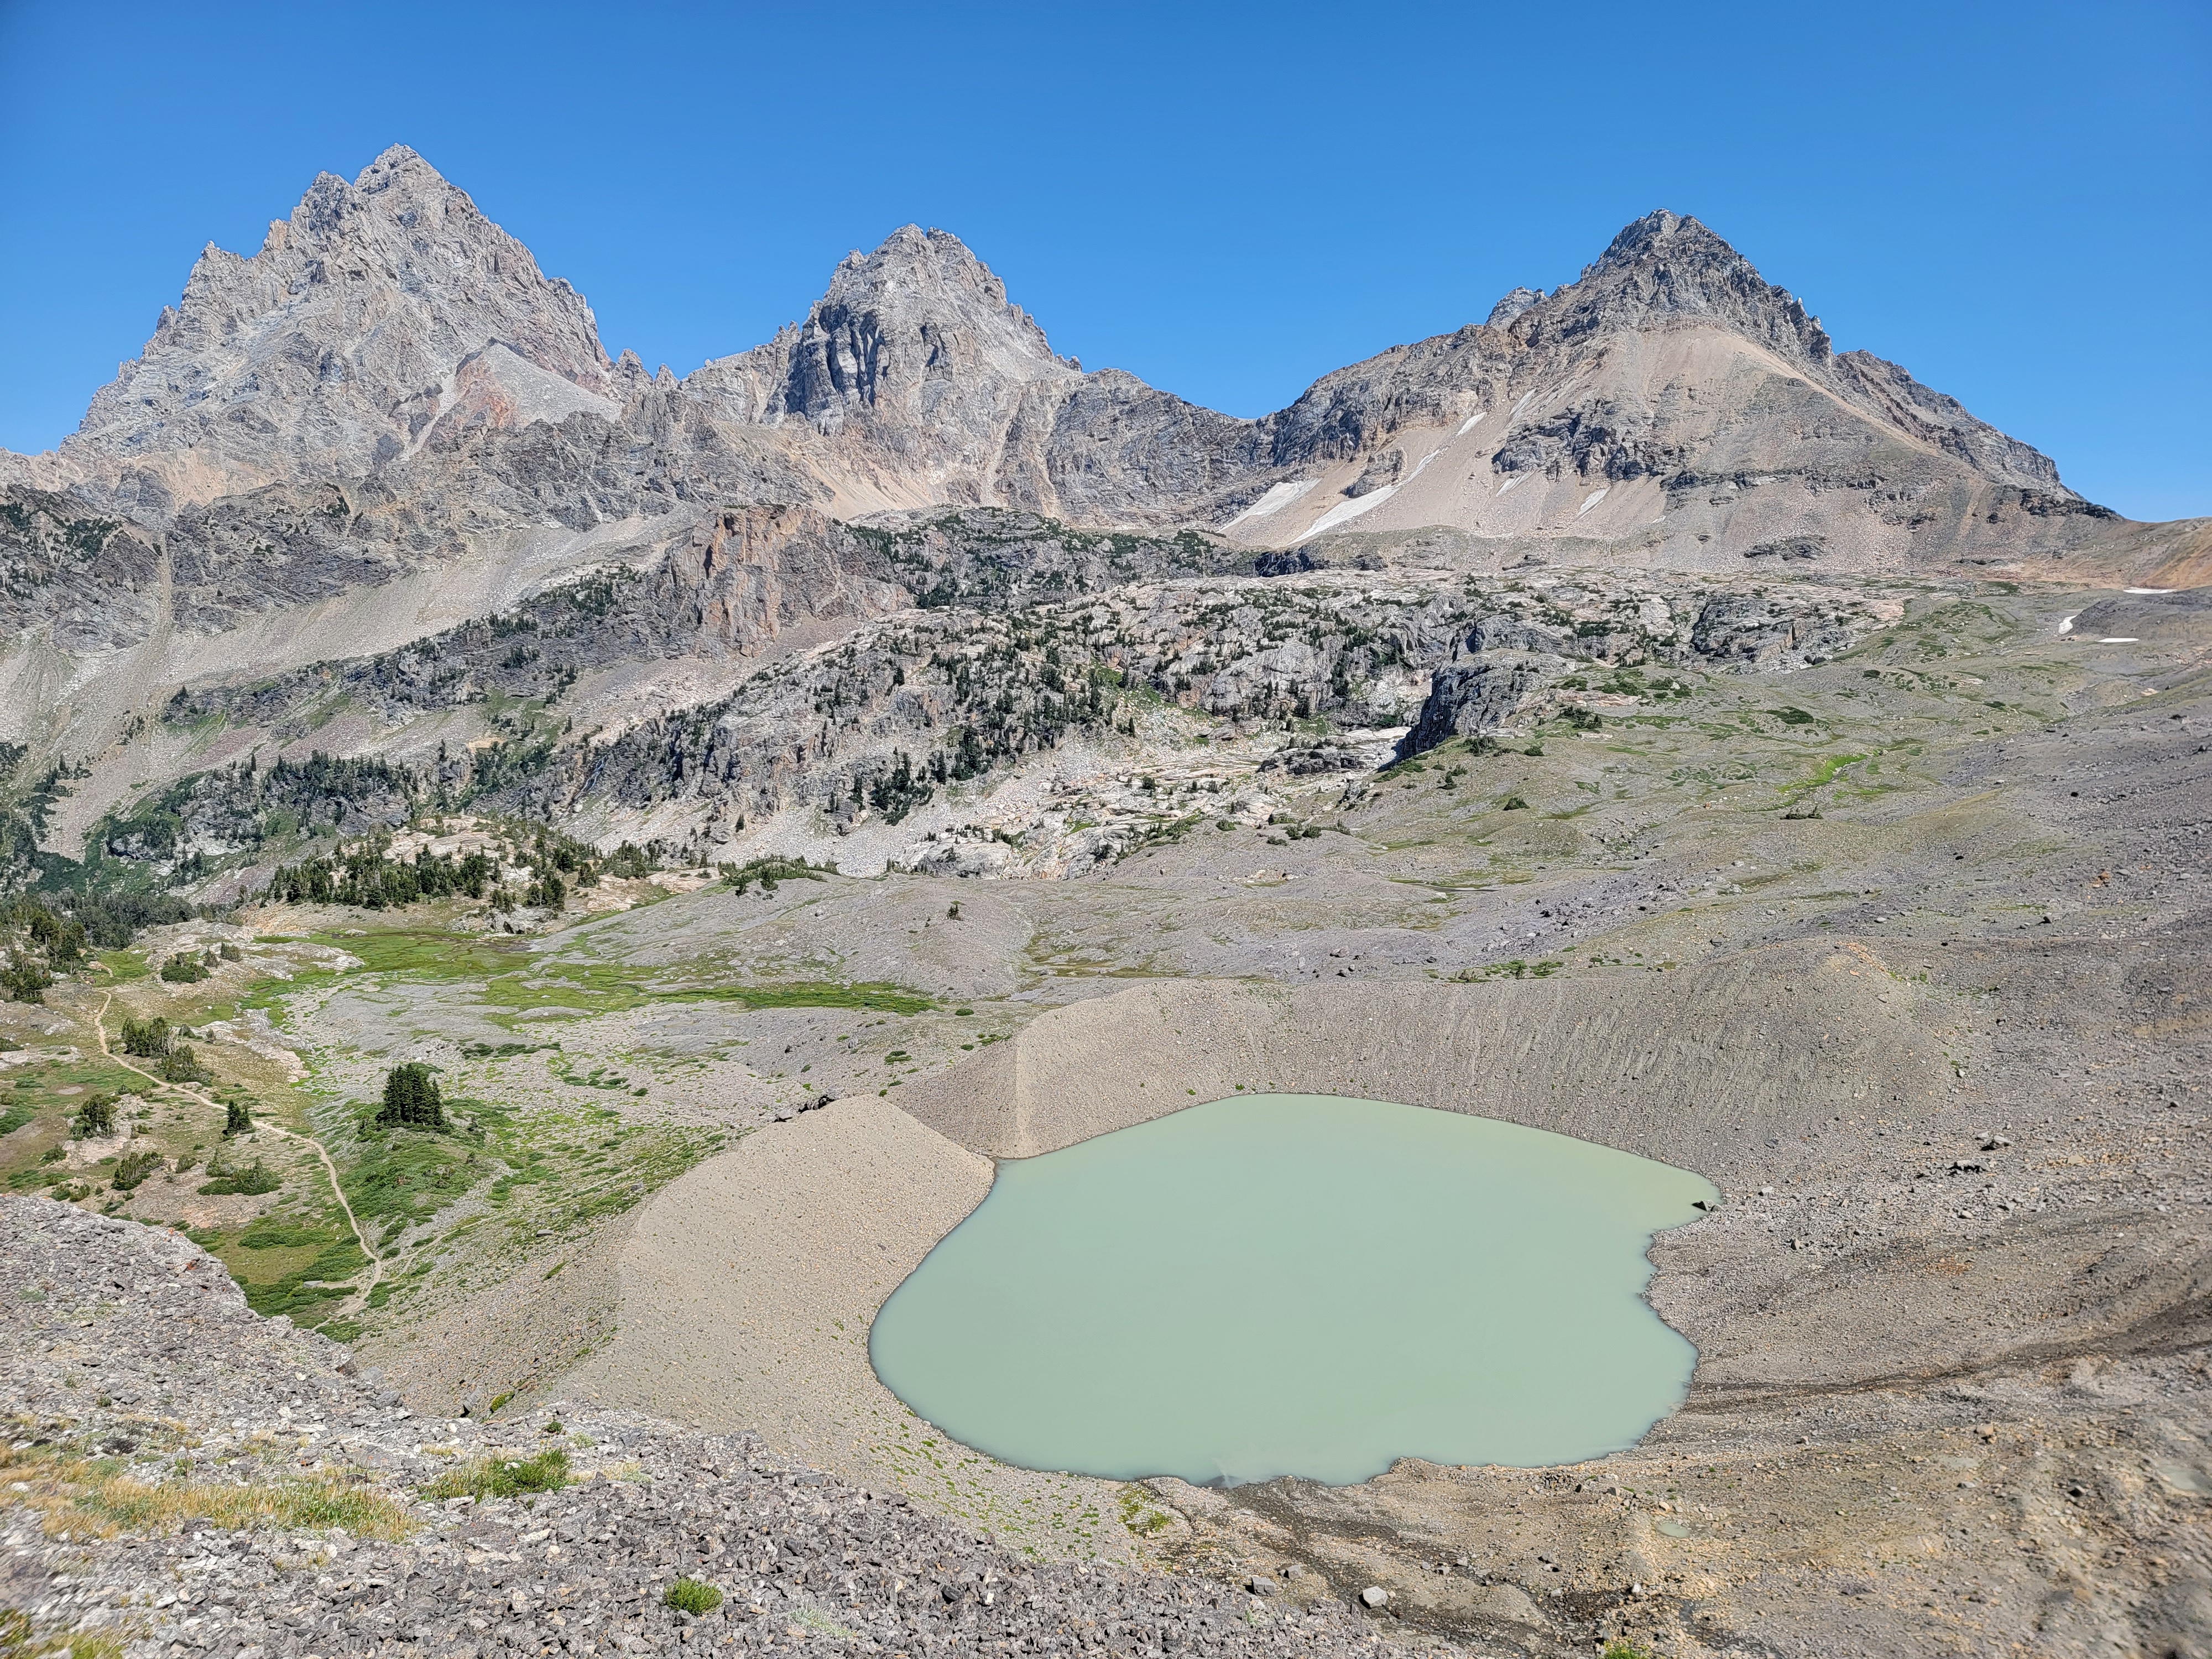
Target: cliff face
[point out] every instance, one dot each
(388, 425)
(390, 386)
(915, 383)
(378, 307)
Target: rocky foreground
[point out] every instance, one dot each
(184, 1477)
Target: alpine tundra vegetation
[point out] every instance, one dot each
(534, 893)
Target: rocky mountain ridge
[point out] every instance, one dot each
(389, 316)
(340, 462)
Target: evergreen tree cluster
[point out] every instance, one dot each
(42, 946)
(96, 1116)
(111, 919)
(411, 1098)
(363, 875)
(547, 891)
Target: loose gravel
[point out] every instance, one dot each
(149, 1408)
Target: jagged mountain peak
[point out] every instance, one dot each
(911, 251)
(914, 363)
(334, 346)
(930, 284)
(1663, 235)
(399, 163)
(916, 334)
(1666, 268)
(387, 330)
(1511, 305)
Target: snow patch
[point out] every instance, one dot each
(2121, 639)
(1518, 477)
(1346, 510)
(2147, 590)
(2066, 625)
(1592, 500)
(1527, 397)
(1277, 497)
(1422, 462)
(1467, 425)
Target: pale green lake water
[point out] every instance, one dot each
(1278, 1284)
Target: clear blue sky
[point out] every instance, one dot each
(2015, 200)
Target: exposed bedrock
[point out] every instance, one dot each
(1468, 698)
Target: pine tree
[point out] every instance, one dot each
(411, 1098)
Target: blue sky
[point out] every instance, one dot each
(2014, 201)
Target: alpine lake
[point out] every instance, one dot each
(1297, 1284)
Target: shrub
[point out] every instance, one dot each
(95, 1117)
(147, 1039)
(86, 1496)
(411, 1098)
(25, 980)
(237, 1119)
(503, 1477)
(1583, 720)
(772, 869)
(1515, 804)
(134, 1168)
(250, 1183)
(183, 968)
(693, 1595)
(181, 1064)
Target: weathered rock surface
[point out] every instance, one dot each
(390, 382)
(915, 703)
(379, 308)
(344, 468)
(1477, 695)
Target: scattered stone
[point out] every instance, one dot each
(800, 1558)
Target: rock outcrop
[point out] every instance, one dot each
(378, 308)
(389, 342)
(1469, 698)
